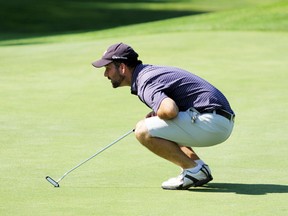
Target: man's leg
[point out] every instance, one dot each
(164, 148)
(193, 174)
(189, 152)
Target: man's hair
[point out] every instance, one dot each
(130, 64)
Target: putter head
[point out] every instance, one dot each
(52, 181)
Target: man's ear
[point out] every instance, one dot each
(122, 68)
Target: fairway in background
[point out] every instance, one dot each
(63, 17)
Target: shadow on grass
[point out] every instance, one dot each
(247, 189)
(23, 19)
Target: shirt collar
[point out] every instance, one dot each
(134, 78)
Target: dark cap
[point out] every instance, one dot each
(116, 52)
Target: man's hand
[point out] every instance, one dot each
(168, 109)
(151, 114)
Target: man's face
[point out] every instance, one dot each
(113, 73)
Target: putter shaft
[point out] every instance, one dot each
(56, 183)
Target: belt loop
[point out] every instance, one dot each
(193, 118)
(194, 115)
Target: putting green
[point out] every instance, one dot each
(57, 110)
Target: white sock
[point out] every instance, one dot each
(195, 169)
(200, 162)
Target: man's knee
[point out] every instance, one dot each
(141, 132)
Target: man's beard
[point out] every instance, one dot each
(117, 83)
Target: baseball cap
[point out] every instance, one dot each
(119, 51)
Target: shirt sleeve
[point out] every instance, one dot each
(153, 95)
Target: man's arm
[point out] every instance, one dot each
(167, 109)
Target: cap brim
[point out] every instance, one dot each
(101, 63)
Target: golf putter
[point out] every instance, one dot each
(56, 183)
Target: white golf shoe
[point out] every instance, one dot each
(188, 179)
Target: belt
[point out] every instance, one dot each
(223, 113)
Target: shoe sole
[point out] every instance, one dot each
(197, 184)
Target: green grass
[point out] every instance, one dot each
(25, 19)
(56, 110)
(267, 17)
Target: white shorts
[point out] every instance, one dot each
(190, 128)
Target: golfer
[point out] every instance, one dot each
(187, 111)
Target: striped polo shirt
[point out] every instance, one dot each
(153, 83)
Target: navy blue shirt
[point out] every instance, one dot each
(153, 83)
